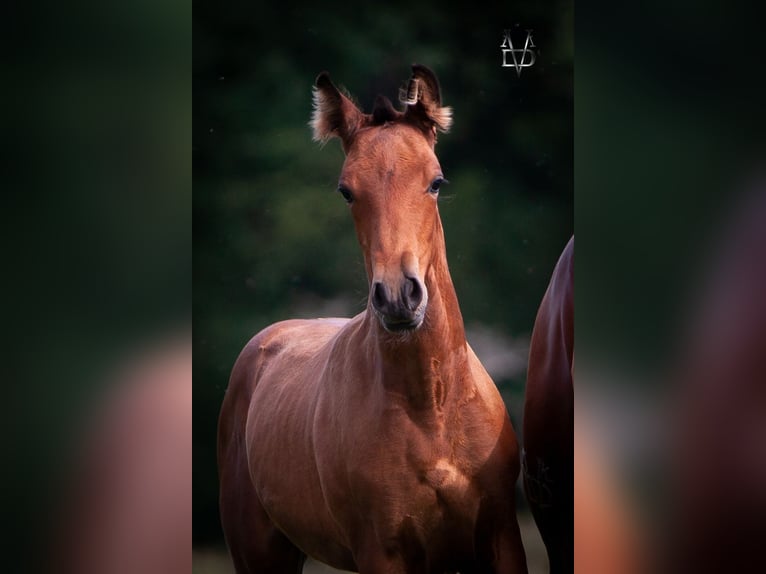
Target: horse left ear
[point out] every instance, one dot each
(335, 115)
(423, 101)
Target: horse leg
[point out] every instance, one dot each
(374, 559)
(501, 551)
(548, 484)
(497, 540)
(510, 557)
(255, 544)
(385, 565)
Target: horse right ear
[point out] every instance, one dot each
(423, 101)
(335, 115)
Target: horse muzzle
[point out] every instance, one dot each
(401, 308)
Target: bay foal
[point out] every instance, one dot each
(378, 443)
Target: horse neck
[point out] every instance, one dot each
(427, 368)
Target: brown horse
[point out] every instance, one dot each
(549, 416)
(584, 516)
(377, 443)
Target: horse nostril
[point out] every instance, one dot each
(412, 293)
(379, 298)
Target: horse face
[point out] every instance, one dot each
(391, 180)
(391, 177)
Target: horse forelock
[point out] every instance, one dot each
(383, 111)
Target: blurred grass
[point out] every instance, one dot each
(217, 561)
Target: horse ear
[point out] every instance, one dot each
(335, 115)
(422, 97)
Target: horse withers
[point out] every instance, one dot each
(377, 443)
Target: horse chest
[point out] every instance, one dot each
(436, 477)
(446, 479)
(435, 488)
(436, 510)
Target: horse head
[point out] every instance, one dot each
(391, 179)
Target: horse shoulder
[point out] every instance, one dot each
(494, 444)
(481, 386)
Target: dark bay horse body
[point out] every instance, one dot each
(549, 416)
(379, 443)
(584, 515)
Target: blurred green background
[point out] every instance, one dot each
(273, 241)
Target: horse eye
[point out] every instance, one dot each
(346, 194)
(436, 184)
